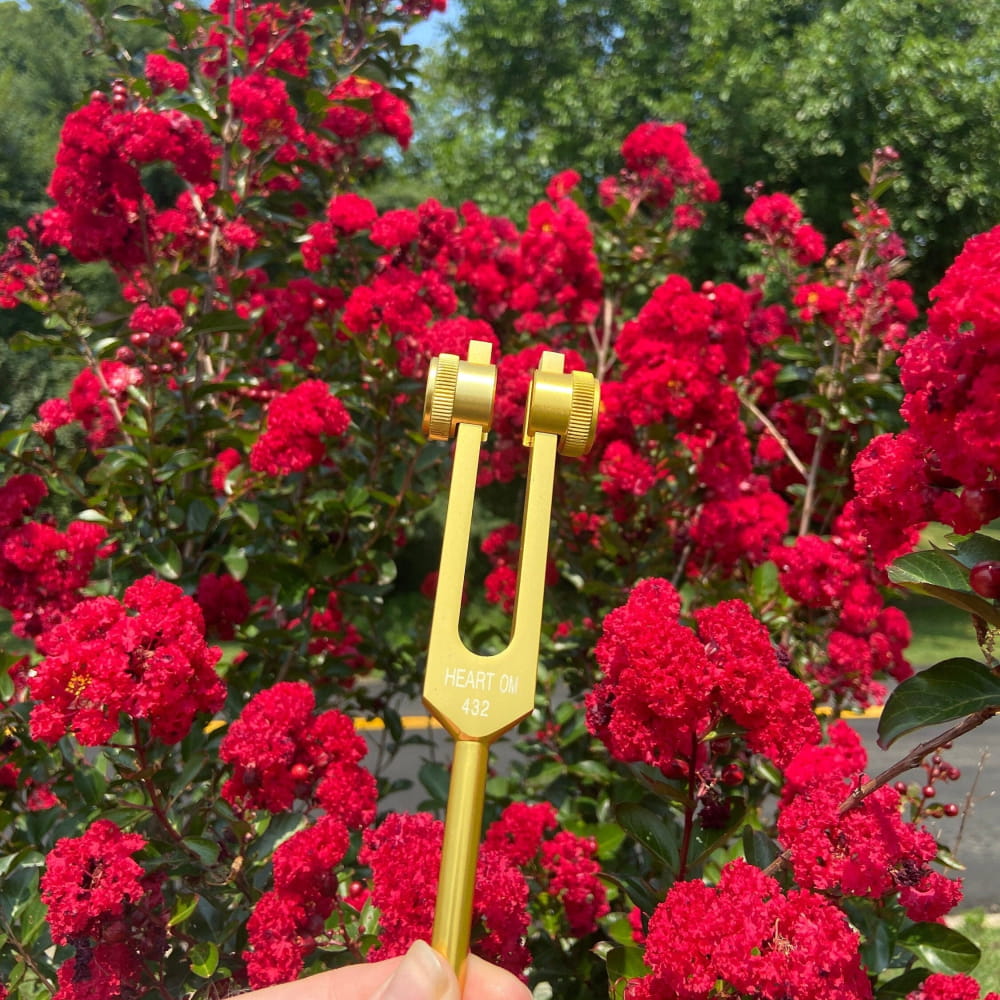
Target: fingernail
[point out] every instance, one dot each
(422, 975)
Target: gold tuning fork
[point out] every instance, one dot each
(477, 698)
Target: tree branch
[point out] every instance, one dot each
(910, 761)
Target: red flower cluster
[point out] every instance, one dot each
(677, 350)
(281, 752)
(868, 638)
(101, 902)
(776, 220)
(288, 921)
(335, 637)
(626, 477)
(97, 400)
(728, 530)
(563, 865)
(347, 214)
(559, 280)
(660, 169)
(843, 756)
(258, 37)
(866, 851)
(404, 854)
(103, 211)
(165, 74)
(951, 374)
(873, 307)
(266, 116)
(748, 938)
(940, 986)
(297, 424)
(502, 549)
(42, 570)
(519, 831)
(101, 662)
(224, 602)
(680, 359)
(360, 107)
(666, 687)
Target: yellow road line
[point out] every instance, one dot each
(875, 712)
(409, 722)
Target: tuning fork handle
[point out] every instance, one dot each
(459, 854)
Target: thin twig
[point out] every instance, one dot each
(970, 800)
(23, 953)
(778, 436)
(910, 761)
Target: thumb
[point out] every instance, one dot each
(422, 975)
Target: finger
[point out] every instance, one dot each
(354, 982)
(488, 982)
(363, 982)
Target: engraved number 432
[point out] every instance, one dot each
(479, 707)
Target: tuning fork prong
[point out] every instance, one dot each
(477, 698)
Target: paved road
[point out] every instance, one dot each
(974, 836)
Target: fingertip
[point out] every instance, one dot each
(488, 982)
(422, 975)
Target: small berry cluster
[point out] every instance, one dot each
(937, 769)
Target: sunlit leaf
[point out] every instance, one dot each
(947, 691)
(941, 948)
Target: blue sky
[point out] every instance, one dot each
(427, 32)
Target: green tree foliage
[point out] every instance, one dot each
(46, 65)
(795, 93)
(49, 60)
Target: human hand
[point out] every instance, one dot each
(421, 974)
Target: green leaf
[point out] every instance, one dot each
(220, 322)
(236, 562)
(609, 837)
(25, 341)
(93, 515)
(250, 513)
(207, 851)
(876, 949)
(204, 958)
(637, 889)
(393, 723)
(901, 986)
(764, 582)
(940, 948)
(183, 908)
(976, 548)
(704, 840)
(653, 779)
(199, 515)
(657, 836)
(758, 848)
(936, 573)
(32, 918)
(934, 566)
(947, 691)
(129, 12)
(625, 964)
(434, 778)
(165, 558)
